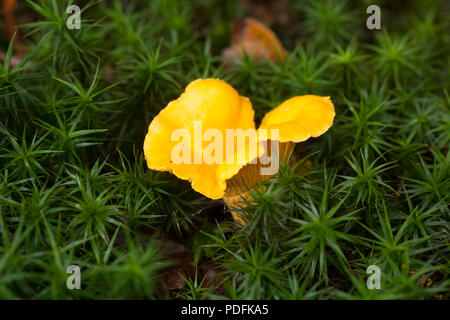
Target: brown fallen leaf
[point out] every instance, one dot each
(181, 258)
(182, 267)
(255, 39)
(213, 278)
(8, 7)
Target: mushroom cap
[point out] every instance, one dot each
(300, 118)
(218, 106)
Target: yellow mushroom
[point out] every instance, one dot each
(207, 105)
(295, 120)
(207, 136)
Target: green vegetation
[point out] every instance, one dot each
(74, 187)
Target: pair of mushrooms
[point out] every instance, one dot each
(218, 106)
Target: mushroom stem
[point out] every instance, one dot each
(248, 178)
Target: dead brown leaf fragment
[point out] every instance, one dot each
(182, 267)
(255, 39)
(213, 278)
(181, 263)
(8, 7)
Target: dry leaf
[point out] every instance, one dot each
(212, 278)
(8, 7)
(256, 39)
(181, 259)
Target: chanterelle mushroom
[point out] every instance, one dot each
(207, 107)
(194, 137)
